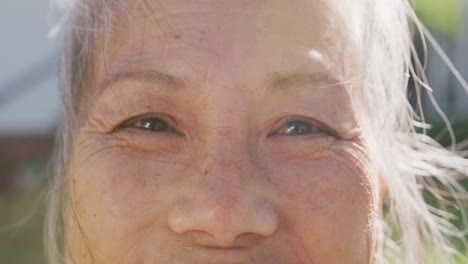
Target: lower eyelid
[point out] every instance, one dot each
(159, 144)
(142, 137)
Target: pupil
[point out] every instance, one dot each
(296, 127)
(154, 125)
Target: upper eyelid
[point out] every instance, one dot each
(132, 120)
(305, 119)
(309, 120)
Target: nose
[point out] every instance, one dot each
(223, 211)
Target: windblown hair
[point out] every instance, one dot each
(412, 164)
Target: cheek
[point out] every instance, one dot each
(328, 202)
(125, 189)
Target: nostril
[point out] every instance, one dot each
(180, 217)
(240, 242)
(265, 220)
(210, 225)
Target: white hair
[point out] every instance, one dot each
(411, 163)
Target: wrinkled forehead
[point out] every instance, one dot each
(260, 33)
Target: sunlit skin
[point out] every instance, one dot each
(223, 136)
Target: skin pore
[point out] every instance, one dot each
(223, 132)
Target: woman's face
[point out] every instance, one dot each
(226, 134)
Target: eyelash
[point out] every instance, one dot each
(300, 126)
(292, 126)
(147, 122)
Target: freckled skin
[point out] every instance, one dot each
(223, 186)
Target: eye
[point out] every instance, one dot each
(152, 124)
(300, 127)
(147, 123)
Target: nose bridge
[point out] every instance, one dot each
(225, 185)
(221, 200)
(226, 175)
(227, 149)
(228, 157)
(225, 200)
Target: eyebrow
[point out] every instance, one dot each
(278, 82)
(149, 76)
(301, 80)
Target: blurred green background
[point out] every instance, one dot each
(29, 110)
